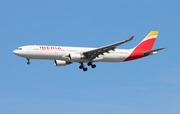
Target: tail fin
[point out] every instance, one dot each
(148, 42)
(145, 45)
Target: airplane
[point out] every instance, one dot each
(63, 55)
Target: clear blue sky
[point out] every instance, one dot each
(147, 86)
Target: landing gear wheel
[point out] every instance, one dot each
(89, 63)
(80, 67)
(85, 69)
(28, 61)
(93, 66)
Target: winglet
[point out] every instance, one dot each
(130, 38)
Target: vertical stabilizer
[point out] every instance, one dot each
(144, 46)
(148, 42)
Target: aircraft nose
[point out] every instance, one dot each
(15, 52)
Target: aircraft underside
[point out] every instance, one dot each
(60, 61)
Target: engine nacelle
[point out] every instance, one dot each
(75, 56)
(61, 63)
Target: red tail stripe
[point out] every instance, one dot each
(142, 47)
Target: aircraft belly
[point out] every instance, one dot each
(115, 57)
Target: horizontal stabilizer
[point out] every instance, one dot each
(152, 51)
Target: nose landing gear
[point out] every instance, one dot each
(28, 61)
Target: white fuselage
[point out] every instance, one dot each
(61, 53)
(64, 55)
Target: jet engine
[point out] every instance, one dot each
(61, 63)
(75, 56)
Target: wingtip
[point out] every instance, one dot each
(131, 37)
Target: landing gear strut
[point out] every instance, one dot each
(82, 67)
(28, 61)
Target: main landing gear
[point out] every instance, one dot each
(92, 65)
(89, 64)
(28, 61)
(82, 67)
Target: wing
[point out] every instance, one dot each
(105, 49)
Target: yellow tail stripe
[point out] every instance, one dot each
(152, 33)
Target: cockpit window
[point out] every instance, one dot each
(19, 48)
